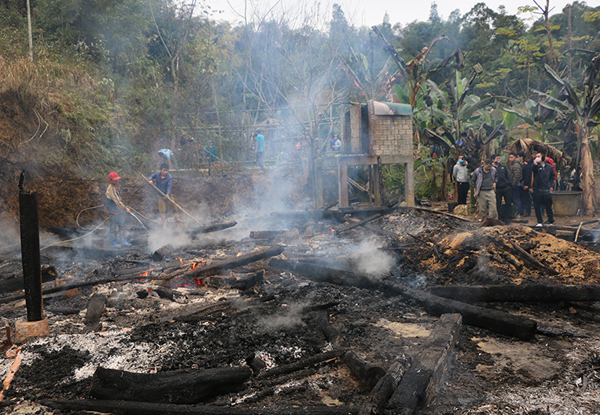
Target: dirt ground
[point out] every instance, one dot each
(138, 332)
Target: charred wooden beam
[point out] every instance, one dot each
(162, 253)
(301, 364)
(230, 263)
(367, 373)
(321, 319)
(211, 228)
(518, 293)
(497, 321)
(531, 260)
(383, 390)
(356, 225)
(421, 381)
(167, 387)
(145, 408)
(249, 280)
(15, 282)
(266, 234)
(30, 252)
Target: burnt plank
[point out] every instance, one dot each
(167, 387)
(144, 408)
(518, 293)
(421, 381)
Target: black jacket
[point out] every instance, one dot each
(504, 180)
(543, 177)
(527, 170)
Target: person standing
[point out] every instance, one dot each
(503, 189)
(485, 179)
(516, 175)
(525, 209)
(210, 153)
(165, 156)
(260, 148)
(543, 185)
(461, 175)
(337, 143)
(163, 181)
(116, 209)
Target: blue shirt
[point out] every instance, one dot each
(164, 184)
(260, 143)
(166, 152)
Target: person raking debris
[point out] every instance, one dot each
(163, 181)
(116, 209)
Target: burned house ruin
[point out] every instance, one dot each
(373, 134)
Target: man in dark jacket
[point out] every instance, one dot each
(516, 175)
(525, 209)
(543, 184)
(503, 189)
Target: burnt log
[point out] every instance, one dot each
(211, 228)
(144, 408)
(167, 387)
(229, 263)
(300, 364)
(321, 320)
(367, 373)
(15, 282)
(530, 259)
(518, 293)
(162, 253)
(496, 321)
(383, 390)
(249, 280)
(266, 234)
(422, 378)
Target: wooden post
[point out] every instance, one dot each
(376, 183)
(343, 183)
(30, 252)
(409, 184)
(319, 186)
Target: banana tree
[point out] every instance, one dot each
(582, 106)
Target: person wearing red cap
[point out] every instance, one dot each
(115, 208)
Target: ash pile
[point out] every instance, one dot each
(313, 312)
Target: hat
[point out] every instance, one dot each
(549, 160)
(258, 130)
(113, 176)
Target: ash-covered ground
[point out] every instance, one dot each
(144, 327)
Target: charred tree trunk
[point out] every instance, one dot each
(167, 387)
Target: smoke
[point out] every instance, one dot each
(291, 317)
(161, 237)
(372, 260)
(10, 237)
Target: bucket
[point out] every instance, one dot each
(566, 203)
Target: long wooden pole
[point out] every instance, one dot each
(172, 201)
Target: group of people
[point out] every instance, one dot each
(162, 181)
(506, 191)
